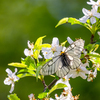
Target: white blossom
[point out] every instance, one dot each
(97, 65)
(51, 99)
(65, 81)
(31, 97)
(47, 52)
(53, 51)
(92, 75)
(80, 71)
(30, 45)
(29, 52)
(11, 79)
(94, 4)
(66, 94)
(89, 14)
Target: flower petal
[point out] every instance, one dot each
(55, 42)
(83, 19)
(12, 88)
(91, 2)
(15, 71)
(7, 81)
(46, 49)
(28, 52)
(40, 56)
(70, 41)
(92, 20)
(47, 52)
(82, 75)
(16, 78)
(48, 55)
(9, 71)
(85, 12)
(97, 15)
(31, 46)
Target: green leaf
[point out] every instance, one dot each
(21, 65)
(37, 47)
(28, 60)
(70, 20)
(98, 69)
(23, 70)
(94, 55)
(39, 65)
(37, 72)
(98, 42)
(63, 44)
(94, 48)
(36, 54)
(74, 21)
(25, 74)
(91, 47)
(32, 67)
(45, 45)
(27, 70)
(95, 58)
(62, 21)
(38, 42)
(58, 86)
(13, 97)
(32, 72)
(42, 95)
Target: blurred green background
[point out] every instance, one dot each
(23, 20)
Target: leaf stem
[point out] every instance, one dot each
(34, 62)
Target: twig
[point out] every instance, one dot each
(92, 37)
(52, 83)
(44, 84)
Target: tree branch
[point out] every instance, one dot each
(44, 84)
(52, 83)
(92, 37)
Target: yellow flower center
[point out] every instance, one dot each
(78, 70)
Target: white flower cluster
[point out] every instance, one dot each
(56, 50)
(92, 14)
(48, 53)
(80, 71)
(66, 94)
(10, 80)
